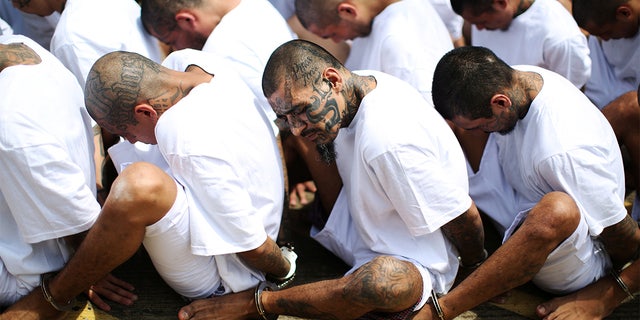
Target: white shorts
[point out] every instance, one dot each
(575, 263)
(13, 288)
(169, 246)
(341, 238)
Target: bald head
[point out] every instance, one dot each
(116, 83)
(297, 62)
(17, 54)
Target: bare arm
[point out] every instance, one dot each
(622, 241)
(467, 235)
(267, 258)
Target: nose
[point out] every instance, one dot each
(296, 125)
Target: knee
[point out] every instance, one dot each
(385, 282)
(557, 216)
(141, 187)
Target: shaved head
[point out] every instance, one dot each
(115, 84)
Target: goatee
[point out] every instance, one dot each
(327, 152)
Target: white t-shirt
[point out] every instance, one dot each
(407, 40)
(220, 149)
(88, 29)
(571, 149)
(451, 19)
(616, 69)
(249, 49)
(404, 177)
(37, 28)
(47, 176)
(545, 35)
(5, 28)
(489, 189)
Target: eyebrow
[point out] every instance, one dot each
(295, 107)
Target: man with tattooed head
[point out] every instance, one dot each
(402, 217)
(210, 221)
(47, 181)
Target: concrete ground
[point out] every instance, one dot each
(157, 301)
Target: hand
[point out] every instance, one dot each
(298, 194)
(113, 289)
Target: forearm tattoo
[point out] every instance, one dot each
(622, 241)
(17, 54)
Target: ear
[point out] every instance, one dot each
(624, 12)
(334, 77)
(500, 102)
(347, 11)
(501, 5)
(145, 112)
(186, 20)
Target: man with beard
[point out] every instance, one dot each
(402, 38)
(403, 219)
(561, 158)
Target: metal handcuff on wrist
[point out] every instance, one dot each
(622, 286)
(291, 256)
(277, 283)
(485, 255)
(436, 305)
(44, 285)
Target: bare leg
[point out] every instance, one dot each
(139, 197)
(595, 301)
(602, 297)
(550, 222)
(384, 284)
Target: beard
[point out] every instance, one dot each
(327, 152)
(506, 131)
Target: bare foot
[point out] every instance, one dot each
(595, 301)
(32, 307)
(235, 306)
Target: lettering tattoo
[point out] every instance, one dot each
(17, 54)
(113, 88)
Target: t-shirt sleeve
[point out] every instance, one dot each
(591, 181)
(425, 195)
(570, 58)
(46, 192)
(223, 218)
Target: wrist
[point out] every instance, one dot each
(436, 305)
(622, 286)
(291, 257)
(46, 292)
(474, 264)
(263, 286)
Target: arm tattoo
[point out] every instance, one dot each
(622, 241)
